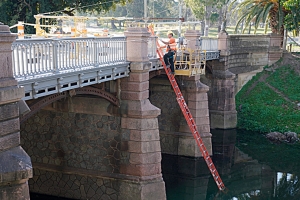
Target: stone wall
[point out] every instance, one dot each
(163, 97)
(74, 185)
(77, 140)
(246, 55)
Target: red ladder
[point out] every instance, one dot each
(190, 120)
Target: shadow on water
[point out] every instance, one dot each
(251, 168)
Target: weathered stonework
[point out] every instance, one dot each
(222, 111)
(74, 185)
(15, 164)
(248, 54)
(83, 141)
(176, 137)
(140, 134)
(189, 177)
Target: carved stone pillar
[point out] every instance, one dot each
(192, 37)
(140, 133)
(196, 98)
(15, 164)
(222, 109)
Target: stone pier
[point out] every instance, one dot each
(15, 164)
(175, 134)
(140, 132)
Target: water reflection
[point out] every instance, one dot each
(246, 175)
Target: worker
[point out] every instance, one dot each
(170, 51)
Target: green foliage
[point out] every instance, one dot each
(13, 11)
(262, 109)
(292, 19)
(287, 81)
(275, 12)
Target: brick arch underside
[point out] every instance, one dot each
(40, 103)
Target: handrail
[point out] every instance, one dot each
(33, 57)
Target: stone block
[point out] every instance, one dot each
(197, 96)
(9, 141)
(9, 126)
(205, 128)
(188, 147)
(11, 94)
(137, 77)
(143, 147)
(141, 169)
(198, 104)
(9, 111)
(145, 158)
(146, 135)
(128, 95)
(154, 190)
(202, 120)
(7, 82)
(135, 86)
(140, 67)
(223, 119)
(137, 46)
(197, 113)
(139, 124)
(139, 109)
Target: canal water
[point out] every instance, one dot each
(251, 168)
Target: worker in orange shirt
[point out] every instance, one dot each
(170, 51)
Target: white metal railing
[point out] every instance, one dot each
(152, 47)
(34, 57)
(208, 44)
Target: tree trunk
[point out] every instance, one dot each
(207, 19)
(113, 26)
(220, 20)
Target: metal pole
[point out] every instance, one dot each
(145, 9)
(180, 16)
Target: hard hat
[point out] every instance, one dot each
(169, 32)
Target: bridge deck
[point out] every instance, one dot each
(48, 66)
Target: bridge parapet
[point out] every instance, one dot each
(248, 52)
(245, 55)
(48, 66)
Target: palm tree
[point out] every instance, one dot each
(261, 11)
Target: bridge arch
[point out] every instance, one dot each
(40, 103)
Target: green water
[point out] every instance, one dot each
(251, 168)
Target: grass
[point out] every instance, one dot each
(263, 110)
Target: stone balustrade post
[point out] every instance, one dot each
(140, 131)
(192, 37)
(275, 50)
(197, 100)
(15, 164)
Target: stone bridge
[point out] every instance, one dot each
(104, 140)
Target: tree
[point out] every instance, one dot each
(261, 11)
(13, 11)
(208, 11)
(292, 19)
